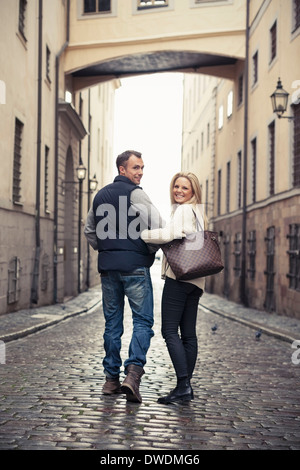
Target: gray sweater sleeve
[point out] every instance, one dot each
(148, 212)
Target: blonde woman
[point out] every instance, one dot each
(180, 298)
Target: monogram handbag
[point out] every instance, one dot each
(196, 255)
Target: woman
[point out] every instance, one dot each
(180, 298)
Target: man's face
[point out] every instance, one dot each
(133, 170)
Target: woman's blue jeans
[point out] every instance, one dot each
(137, 287)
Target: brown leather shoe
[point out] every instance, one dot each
(131, 384)
(111, 386)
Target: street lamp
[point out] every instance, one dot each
(93, 183)
(280, 100)
(81, 171)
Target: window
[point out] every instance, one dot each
(45, 272)
(273, 41)
(221, 112)
(237, 254)
(296, 14)
(46, 181)
(294, 257)
(253, 146)
(96, 6)
(229, 104)
(144, 4)
(14, 270)
(296, 149)
(208, 133)
(272, 158)
(270, 269)
(239, 179)
(206, 196)
(22, 12)
(219, 192)
(228, 188)
(48, 54)
(17, 162)
(252, 253)
(240, 90)
(255, 67)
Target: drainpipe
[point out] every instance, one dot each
(89, 194)
(244, 297)
(57, 59)
(34, 296)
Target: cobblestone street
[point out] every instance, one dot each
(246, 391)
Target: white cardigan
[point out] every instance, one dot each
(182, 223)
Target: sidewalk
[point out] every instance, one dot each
(18, 324)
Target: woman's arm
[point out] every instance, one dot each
(180, 225)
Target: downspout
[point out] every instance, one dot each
(55, 248)
(34, 296)
(89, 194)
(244, 297)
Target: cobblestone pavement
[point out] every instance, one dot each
(246, 390)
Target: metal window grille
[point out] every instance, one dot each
(237, 254)
(219, 192)
(22, 12)
(296, 160)
(239, 194)
(46, 181)
(228, 188)
(296, 12)
(272, 158)
(45, 272)
(253, 146)
(273, 41)
(17, 161)
(255, 67)
(48, 55)
(14, 272)
(96, 6)
(252, 254)
(240, 89)
(270, 269)
(226, 265)
(294, 257)
(144, 4)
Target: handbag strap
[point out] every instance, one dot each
(198, 225)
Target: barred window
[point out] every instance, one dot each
(269, 303)
(252, 254)
(255, 68)
(22, 12)
(239, 179)
(237, 254)
(296, 13)
(240, 90)
(219, 191)
(296, 156)
(228, 188)
(272, 158)
(17, 162)
(46, 180)
(273, 42)
(294, 257)
(14, 271)
(48, 56)
(253, 147)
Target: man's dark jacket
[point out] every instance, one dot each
(117, 250)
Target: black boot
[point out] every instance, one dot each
(182, 393)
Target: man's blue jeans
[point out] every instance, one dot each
(137, 286)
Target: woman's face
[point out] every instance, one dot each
(182, 190)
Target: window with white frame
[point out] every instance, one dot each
(221, 117)
(144, 4)
(229, 103)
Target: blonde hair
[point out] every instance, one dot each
(196, 190)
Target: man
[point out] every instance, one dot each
(120, 211)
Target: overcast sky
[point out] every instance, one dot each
(148, 118)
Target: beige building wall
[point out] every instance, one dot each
(272, 195)
(28, 255)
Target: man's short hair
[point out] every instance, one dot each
(123, 158)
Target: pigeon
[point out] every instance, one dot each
(214, 328)
(258, 334)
